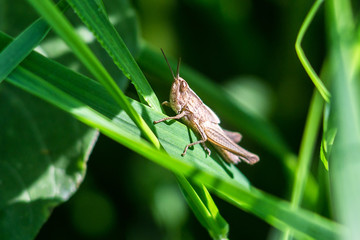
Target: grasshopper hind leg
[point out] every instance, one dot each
(202, 142)
(206, 148)
(200, 130)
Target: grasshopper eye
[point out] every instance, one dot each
(183, 86)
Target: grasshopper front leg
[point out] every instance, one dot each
(197, 127)
(165, 103)
(182, 114)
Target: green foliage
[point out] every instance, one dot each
(344, 116)
(37, 171)
(44, 165)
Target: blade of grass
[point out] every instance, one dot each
(301, 55)
(60, 24)
(210, 216)
(107, 36)
(24, 44)
(306, 152)
(312, 125)
(344, 162)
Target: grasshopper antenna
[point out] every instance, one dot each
(178, 68)
(169, 64)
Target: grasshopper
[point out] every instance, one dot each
(199, 117)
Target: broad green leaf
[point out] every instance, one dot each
(98, 23)
(344, 165)
(34, 150)
(224, 180)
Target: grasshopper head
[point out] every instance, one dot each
(179, 94)
(179, 89)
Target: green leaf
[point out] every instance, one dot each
(302, 57)
(307, 148)
(98, 23)
(24, 44)
(312, 125)
(34, 150)
(80, 96)
(40, 152)
(204, 208)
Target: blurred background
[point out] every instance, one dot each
(246, 46)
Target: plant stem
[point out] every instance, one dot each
(306, 151)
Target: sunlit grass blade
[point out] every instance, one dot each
(60, 24)
(307, 148)
(24, 44)
(311, 130)
(205, 209)
(302, 57)
(106, 34)
(306, 152)
(344, 165)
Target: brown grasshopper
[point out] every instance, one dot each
(199, 117)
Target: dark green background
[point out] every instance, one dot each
(126, 197)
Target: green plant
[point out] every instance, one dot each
(26, 200)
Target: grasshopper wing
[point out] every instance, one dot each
(227, 156)
(219, 139)
(212, 117)
(235, 136)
